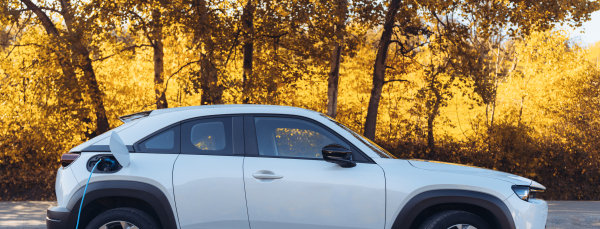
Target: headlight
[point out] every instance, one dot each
(525, 192)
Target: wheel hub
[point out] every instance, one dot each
(462, 226)
(118, 225)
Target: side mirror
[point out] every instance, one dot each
(338, 154)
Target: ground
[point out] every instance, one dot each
(562, 214)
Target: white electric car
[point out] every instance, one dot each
(274, 167)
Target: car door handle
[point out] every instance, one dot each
(266, 176)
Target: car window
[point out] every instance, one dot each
(290, 137)
(207, 136)
(372, 145)
(166, 141)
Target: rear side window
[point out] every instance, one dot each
(207, 136)
(166, 141)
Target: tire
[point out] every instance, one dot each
(454, 219)
(113, 218)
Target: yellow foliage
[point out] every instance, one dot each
(545, 108)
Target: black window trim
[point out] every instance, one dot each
(177, 143)
(103, 148)
(238, 147)
(251, 146)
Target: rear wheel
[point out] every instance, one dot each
(123, 218)
(454, 219)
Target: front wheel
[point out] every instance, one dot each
(454, 220)
(123, 218)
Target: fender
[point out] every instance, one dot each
(420, 202)
(143, 191)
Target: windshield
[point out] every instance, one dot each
(376, 148)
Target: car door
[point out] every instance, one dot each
(289, 185)
(208, 175)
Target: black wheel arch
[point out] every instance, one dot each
(137, 193)
(411, 213)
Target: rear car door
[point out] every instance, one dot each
(289, 185)
(208, 175)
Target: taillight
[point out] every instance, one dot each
(68, 158)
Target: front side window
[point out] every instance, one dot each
(207, 136)
(372, 145)
(289, 137)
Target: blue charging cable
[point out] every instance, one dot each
(86, 185)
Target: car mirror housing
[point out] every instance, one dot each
(338, 154)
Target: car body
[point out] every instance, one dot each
(259, 166)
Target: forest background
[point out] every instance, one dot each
(488, 83)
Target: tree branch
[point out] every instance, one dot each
(176, 72)
(19, 11)
(145, 26)
(389, 81)
(46, 22)
(275, 36)
(20, 45)
(51, 9)
(125, 49)
(235, 43)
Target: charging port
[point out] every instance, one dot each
(108, 164)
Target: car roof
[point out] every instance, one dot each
(134, 130)
(240, 109)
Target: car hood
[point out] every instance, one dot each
(472, 170)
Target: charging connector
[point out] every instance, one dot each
(108, 164)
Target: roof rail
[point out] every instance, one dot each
(134, 116)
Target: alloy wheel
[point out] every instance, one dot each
(462, 226)
(118, 225)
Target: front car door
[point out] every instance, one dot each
(208, 176)
(289, 185)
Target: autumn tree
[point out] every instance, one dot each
(401, 22)
(512, 14)
(71, 49)
(215, 32)
(363, 14)
(248, 47)
(439, 78)
(148, 19)
(336, 57)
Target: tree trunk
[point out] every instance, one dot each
(333, 81)
(94, 91)
(431, 119)
(212, 92)
(379, 70)
(157, 45)
(248, 49)
(336, 57)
